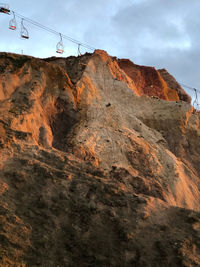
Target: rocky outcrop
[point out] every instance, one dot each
(99, 164)
(172, 83)
(155, 83)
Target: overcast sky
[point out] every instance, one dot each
(160, 33)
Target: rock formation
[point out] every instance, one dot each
(100, 164)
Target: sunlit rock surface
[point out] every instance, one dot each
(100, 164)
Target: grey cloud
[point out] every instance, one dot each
(149, 32)
(161, 34)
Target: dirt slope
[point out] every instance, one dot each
(100, 164)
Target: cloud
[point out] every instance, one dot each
(162, 34)
(149, 32)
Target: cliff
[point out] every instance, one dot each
(100, 164)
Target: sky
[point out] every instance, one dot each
(159, 33)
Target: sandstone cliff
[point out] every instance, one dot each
(100, 164)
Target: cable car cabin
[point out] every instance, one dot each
(24, 31)
(60, 48)
(4, 9)
(12, 27)
(13, 23)
(24, 36)
(60, 51)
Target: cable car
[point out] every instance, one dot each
(24, 31)
(4, 8)
(13, 23)
(60, 46)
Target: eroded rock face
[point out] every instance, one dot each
(155, 83)
(99, 164)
